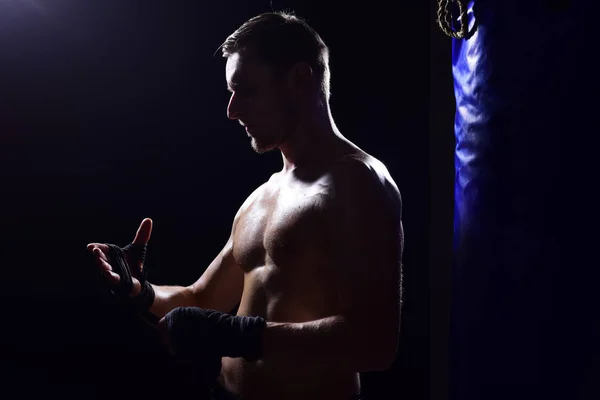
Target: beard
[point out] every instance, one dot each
(259, 146)
(272, 139)
(264, 145)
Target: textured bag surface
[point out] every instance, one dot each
(522, 317)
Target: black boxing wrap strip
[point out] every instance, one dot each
(120, 259)
(199, 332)
(119, 265)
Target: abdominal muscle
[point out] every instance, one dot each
(262, 296)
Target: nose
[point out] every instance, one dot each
(233, 107)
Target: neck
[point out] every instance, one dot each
(312, 140)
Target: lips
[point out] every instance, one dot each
(248, 128)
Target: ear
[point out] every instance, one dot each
(301, 76)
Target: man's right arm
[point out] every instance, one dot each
(219, 288)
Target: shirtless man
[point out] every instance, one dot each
(314, 253)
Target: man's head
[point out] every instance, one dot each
(277, 69)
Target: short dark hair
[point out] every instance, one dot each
(282, 39)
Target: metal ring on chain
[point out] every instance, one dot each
(444, 18)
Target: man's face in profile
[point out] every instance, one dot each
(259, 100)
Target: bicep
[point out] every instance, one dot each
(367, 263)
(367, 243)
(220, 286)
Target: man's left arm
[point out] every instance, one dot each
(366, 244)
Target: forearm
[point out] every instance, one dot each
(167, 298)
(327, 343)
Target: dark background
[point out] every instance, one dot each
(115, 110)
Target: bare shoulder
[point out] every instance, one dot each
(257, 194)
(360, 179)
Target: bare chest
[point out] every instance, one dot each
(281, 228)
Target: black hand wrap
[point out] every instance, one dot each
(124, 262)
(208, 333)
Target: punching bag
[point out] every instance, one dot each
(525, 275)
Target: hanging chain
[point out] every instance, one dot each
(444, 18)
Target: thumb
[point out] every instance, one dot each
(144, 231)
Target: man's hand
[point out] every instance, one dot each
(101, 252)
(198, 338)
(197, 333)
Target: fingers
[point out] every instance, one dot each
(105, 267)
(111, 277)
(101, 255)
(136, 287)
(144, 231)
(142, 236)
(98, 250)
(101, 246)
